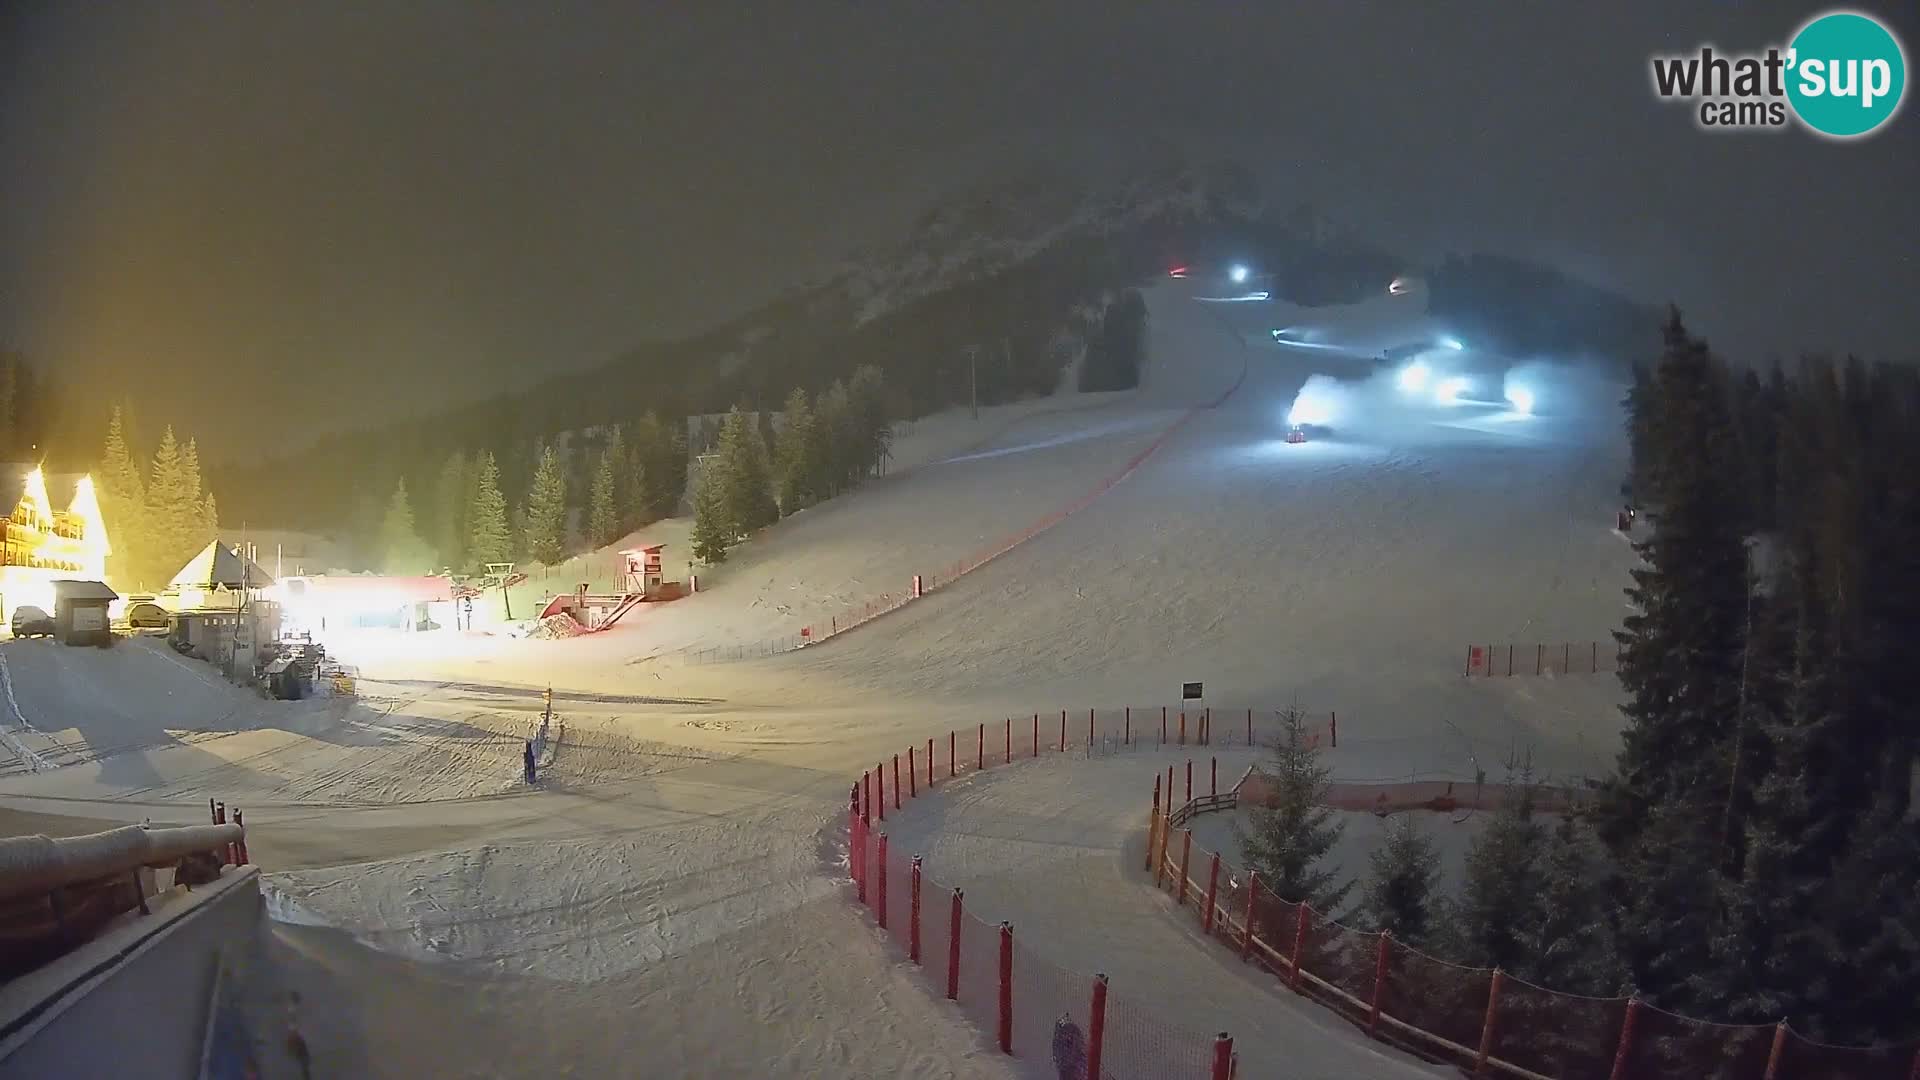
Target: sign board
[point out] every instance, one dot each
(1190, 691)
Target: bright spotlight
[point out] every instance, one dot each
(1413, 377)
(1452, 343)
(1521, 399)
(1448, 391)
(1238, 273)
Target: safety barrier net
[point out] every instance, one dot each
(1485, 1020)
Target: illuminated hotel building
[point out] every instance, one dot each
(47, 540)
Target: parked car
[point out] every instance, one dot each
(148, 616)
(30, 621)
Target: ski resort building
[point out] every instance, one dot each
(54, 532)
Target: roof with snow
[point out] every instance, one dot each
(61, 487)
(218, 566)
(68, 590)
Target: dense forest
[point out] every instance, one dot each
(1756, 855)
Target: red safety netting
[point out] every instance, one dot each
(1664, 1044)
(1559, 1035)
(1804, 1057)
(980, 974)
(1343, 958)
(1432, 995)
(1044, 997)
(1139, 1045)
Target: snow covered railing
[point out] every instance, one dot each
(1484, 1020)
(57, 892)
(1033, 1009)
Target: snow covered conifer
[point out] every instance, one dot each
(712, 523)
(1500, 896)
(123, 492)
(1569, 945)
(488, 541)
(746, 486)
(800, 455)
(603, 503)
(1398, 896)
(546, 526)
(452, 499)
(1288, 838)
(401, 549)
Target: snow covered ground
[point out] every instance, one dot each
(665, 901)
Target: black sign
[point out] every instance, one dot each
(1190, 691)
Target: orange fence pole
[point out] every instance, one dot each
(1222, 1057)
(1063, 731)
(1183, 727)
(1253, 891)
(880, 898)
(1189, 779)
(1163, 725)
(1009, 737)
(1249, 729)
(913, 911)
(1090, 731)
(953, 759)
(1213, 782)
(880, 787)
(1213, 891)
(953, 948)
(1126, 731)
(896, 781)
(1777, 1052)
(929, 764)
(1333, 728)
(1036, 734)
(1624, 1051)
(1186, 860)
(1487, 1025)
(913, 776)
(1097, 1025)
(1006, 988)
(980, 749)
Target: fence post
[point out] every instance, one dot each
(1006, 988)
(1153, 820)
(1253, 892)
(980, 750)
(1300, 940)
(913, 776)
(1379, 981)
(1509, 660)
(240, 845)
(953, 759)
(866, 798)
(1249, 729)
(212, 817)
(1222, 1056)
(1126, 731)
(1183, 727)
(1566, 658)
(1036, 734)
(880, 897)
(1063, 731)
(880, 787)
(1213, 891)
(1624, 1051)
(1096, 1025)
(1486, 1026)
(913, 911)
(1539, 656)
(1163, 725)
(1169, 789)
(1008, 748)
(857, 858)
(1186, 861)
(1778, 1051)
(953, 948)
(929, 764)
(1333, 727)
(1189, 780)
(1160, 863)
(896, 781)
(1090, 731)
(1213, 780)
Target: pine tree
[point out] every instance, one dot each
(1288, 838)
(1399, 893)
(743, 471)
(800, 459)
(713, 529)
(1682, 650)
(210, 517)
(1500, 895)
(1668, 900)
(603, 508)
(1876, 915)
(402, 550)
(173, 510)
(872, 431)
(452, 498)
(839, 436)
(123, 498)
(1569, 946)
(489, 541)
(546, 512)
(635, 507)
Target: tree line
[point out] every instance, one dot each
(828, 444)
(637, 476)
(157, 514)
(1755, 856)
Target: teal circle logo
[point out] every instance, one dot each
(1846, 74)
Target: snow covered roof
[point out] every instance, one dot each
(216, 566)
(61, 487)
(64, 591)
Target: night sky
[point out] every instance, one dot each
(418, 201)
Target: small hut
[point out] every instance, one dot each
(80, 612)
